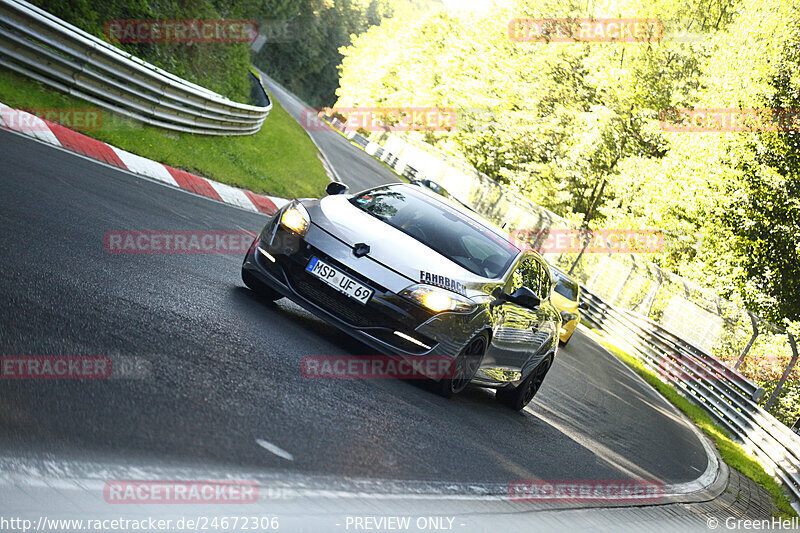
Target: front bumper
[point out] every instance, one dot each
(377, 323)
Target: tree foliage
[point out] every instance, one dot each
(306, 58)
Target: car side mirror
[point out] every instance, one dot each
(336, 187)
(525, 297)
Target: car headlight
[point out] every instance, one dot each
(566, 316)
(438, 300)
(296, 219)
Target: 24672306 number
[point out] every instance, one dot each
(232, 523)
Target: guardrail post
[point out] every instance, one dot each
(749, 343)
(654, 292)
(587, 233)
(621, 286)
(785, 376)
(591, 282)
(646, 295)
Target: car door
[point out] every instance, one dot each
(517, 334)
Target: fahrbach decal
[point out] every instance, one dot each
(442, 281)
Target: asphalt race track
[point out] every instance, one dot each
(223, 365)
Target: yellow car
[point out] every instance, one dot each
(565, 297)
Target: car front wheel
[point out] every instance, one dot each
(518, 397)
(466, 365)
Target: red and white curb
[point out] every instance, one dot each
(55, 134)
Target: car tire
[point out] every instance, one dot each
(257, 286)
(518, 397)
(467, 363)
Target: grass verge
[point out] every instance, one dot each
(731, 453)
(279, 160)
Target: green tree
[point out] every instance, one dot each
(308, 60)
(764, 215)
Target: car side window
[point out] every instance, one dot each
(525, 275)
(516, 280)
(531, 273)
(545, 281)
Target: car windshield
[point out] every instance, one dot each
(565, 286)
(455, 235)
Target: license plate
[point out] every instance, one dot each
(340, 281)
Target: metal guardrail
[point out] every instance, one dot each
(730, 398)
(38, 45)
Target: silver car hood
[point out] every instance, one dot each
(388, 246)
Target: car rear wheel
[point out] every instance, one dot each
(466, 365)
(257, 286)
(518, 397)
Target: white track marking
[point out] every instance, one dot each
(232, 195)
(274, 449)
(147, 167)
(279, 202)
(27, 124)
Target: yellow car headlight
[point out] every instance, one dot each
(566, 316)
(296, 219)
(438, 300)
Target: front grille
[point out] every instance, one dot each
(336, 303)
